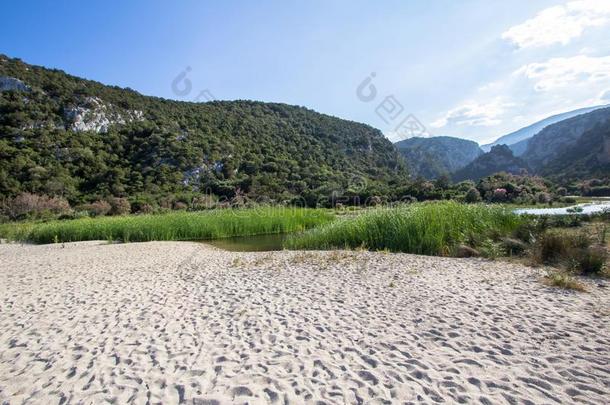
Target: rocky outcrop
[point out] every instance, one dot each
(10, 83)
(95, 115)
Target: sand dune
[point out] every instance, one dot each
(186, 323)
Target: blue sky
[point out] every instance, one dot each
(472, 68)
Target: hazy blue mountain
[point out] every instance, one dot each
(437, 156)
(571, 149)
(531, 130)
(555, 139)
(520, 147)
(589, 157)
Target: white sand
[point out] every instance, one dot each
(183, 322)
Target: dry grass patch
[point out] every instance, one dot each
(563, 280)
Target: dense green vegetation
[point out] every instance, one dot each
(152, 148)
(426, 228)
(171, 226)
(497, 188)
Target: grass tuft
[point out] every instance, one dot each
(576, 251)
(563, 280)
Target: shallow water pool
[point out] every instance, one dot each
(587, 209)
(256, 243)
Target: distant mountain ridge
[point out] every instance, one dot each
(437, 156)
(574, 148)
(549, 143)
(589, 157)
(520, 136)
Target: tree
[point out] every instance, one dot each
(472, 196)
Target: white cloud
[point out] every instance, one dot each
(560, 72)
(472, 113)
(605, 96)
(559, 24)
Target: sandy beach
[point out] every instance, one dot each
(169, 322)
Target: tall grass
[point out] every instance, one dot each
(171, 226)
(425, 228)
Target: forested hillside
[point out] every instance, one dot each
(556, 139)
(499, 159)
(588, 158)
(65, 136)
(437, 156)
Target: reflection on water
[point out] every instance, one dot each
(257, 243)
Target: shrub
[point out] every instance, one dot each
(513, 246)
(119, 206)
(591, 260)
(98, 208)
(165, 202)
(499, 195)
(572, 250)
(179, 205)
(466, 251)
(553, 246)
(32, 205)
(204, 202)
(526, 231)
(600, 191)
(543, 198)
(145, 208)
(562, 191)
(491, 249)
(472, 196)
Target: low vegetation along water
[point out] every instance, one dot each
(425, 228)
(203, 225)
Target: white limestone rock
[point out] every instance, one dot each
(10, 83)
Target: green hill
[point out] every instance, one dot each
(67, 136)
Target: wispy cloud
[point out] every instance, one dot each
(559, 24)
(560, 72)
(472, 113)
